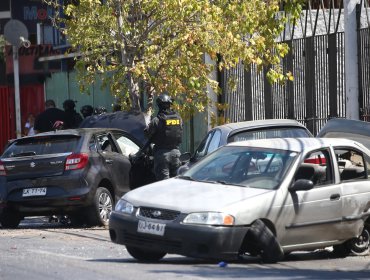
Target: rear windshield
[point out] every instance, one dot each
(42, 146)
(278, 132)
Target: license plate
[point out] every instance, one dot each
(151, 228)
(34, 192)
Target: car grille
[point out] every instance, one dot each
(159, 214)
(135, 239)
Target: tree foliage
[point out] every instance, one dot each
(155, 46)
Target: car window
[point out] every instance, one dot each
(316, 167)
(126, 145)
(42, 146)
(351, 164)
(214, 142)
(266, 133)
(105, 143)
(201, 150)
(244, 166)
(92, 144)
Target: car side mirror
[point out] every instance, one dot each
(301, 185)
(185, 157)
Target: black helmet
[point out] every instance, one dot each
(164, 101)
(69, 104)
(100, 110)
(87, 110)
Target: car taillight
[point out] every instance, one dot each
(2, 169)
(76, 161)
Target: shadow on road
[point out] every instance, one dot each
(249, 268)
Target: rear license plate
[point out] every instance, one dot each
(34, 192)
(151, 228)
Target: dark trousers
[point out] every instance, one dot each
(166, 163)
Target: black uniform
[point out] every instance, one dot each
(165, 132)
(45, 120)
(74, 119)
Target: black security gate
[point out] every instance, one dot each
(316, 60)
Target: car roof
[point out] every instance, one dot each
(345, 126)
(260, 123)
(76, 131)
(296, 144)
(133, 123)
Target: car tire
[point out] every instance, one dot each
(10, 219)
(102, 207)
(341, 250)
(265, 242)
(145, 255)
(360, 246)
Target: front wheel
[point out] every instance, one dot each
(145, 255)
(360, 246)
(261, 241)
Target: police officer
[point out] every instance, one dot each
(74, 119)
(165, 132)
(45, 120)
(87, 111)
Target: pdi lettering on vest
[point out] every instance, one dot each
(173, 122)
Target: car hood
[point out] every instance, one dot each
(132, 122)
(351, 129)
(190, 196)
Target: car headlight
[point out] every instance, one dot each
(124, 207)
(209, 218)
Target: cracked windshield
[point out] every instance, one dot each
(243, 166)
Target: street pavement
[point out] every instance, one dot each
(42, 250)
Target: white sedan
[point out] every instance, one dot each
(260, 197)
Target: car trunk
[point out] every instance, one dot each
(28, 158)
(35, 166)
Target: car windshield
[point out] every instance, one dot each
(41, 146)
(278, 132)
(243, 166)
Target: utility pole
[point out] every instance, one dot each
(351, 60)
(16, 33)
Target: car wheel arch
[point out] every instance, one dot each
(261, 240)
(270, 225)
(105, 183)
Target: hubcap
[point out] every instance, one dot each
(105, 206)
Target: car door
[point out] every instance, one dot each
(141, 162)
(118, 165)
(314, 215)
(353, 168)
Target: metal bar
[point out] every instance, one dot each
(310, 82)
(338, 18)
(359, 43)
(248, 113)
(267, 95)
(332, 65)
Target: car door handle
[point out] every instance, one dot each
(335, 196)
(109, 161)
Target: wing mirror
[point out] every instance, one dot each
(185, 157)
(301, 185)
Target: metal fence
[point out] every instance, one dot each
(316, 60)
(364, 67)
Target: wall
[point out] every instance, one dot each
(63, 85)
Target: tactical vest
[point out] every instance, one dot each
(169, 132)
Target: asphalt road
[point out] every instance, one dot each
(42, 250)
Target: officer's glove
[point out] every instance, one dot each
(134, 158)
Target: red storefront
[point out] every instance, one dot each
(31, 101)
